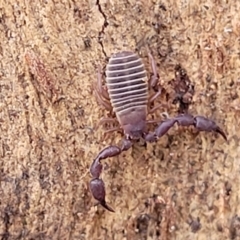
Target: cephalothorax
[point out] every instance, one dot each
(127, 91)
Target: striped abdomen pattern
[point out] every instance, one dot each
(126, 82)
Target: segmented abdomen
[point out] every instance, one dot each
(126, 82)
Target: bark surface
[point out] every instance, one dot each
(185, 186)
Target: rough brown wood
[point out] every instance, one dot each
(186, 186)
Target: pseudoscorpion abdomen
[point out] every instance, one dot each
(126, 82)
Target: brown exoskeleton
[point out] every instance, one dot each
(127, 90)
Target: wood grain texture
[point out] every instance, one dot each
(185, 186)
